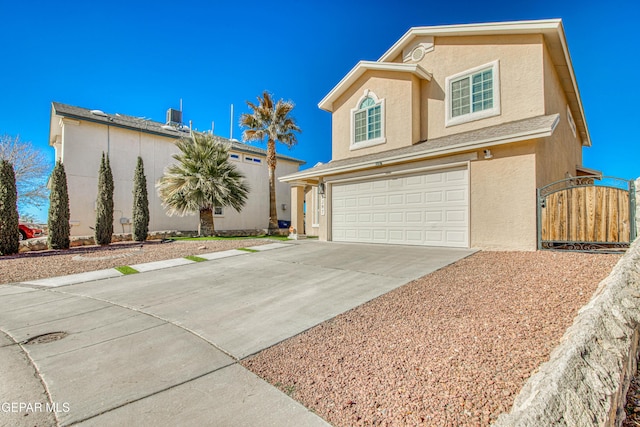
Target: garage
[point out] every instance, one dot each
(427, 208)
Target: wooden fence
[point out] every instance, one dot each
(580, 215)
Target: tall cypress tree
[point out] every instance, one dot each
(104, 205)
(140, 204)
(9, 241)
(58, 220)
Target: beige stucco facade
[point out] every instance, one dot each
(532, 134)
(80, 143)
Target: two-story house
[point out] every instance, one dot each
(80, 136)
(444, 139)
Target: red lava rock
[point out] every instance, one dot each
(452, 348)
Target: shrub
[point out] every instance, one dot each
(140, 204)
(58, 220)
(104, 205)
(9, 240)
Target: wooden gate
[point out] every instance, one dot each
(589, 213)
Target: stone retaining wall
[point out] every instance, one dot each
(586, 380)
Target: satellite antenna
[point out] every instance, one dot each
(231, 124)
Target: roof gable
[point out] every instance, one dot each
(551, 29)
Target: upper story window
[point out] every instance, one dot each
(367, 122)
(234, 156)
(473, 94)
(251, 159)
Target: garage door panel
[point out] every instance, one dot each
(414, 217)
(396, 184)
(380, 218)
(396, 236)
(395, 199)
(413, 198)
(434, 196)
(364, 217)
(380, 235)
(436, 217)
(459, 176)
(379, 201)
(395, 217)
(456, 217)
(426, 209)
(456, 195)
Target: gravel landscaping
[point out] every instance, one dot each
(42, 264)
(450, 349)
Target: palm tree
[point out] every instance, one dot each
(202, 179)
(274, 123)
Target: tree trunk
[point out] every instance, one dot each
(205, 228)
(271, 163)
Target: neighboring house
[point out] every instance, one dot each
(79, 137)
(444, 140)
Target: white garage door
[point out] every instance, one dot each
(424, 209)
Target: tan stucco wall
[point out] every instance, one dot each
(400, 92)
(83, 143)
(503, 199)
(558, 155)
(520, 68)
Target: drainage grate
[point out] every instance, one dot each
(45, 338)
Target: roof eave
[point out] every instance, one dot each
(491, 28)
(364, 66)
(423, 155)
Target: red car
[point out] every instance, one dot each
(29, 231)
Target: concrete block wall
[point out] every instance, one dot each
(586, 380)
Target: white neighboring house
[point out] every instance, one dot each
(80, 135)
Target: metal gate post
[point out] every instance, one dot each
(633, 231)
(539, 218)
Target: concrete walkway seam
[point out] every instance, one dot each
(109, 273)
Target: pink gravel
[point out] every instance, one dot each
(452, 348)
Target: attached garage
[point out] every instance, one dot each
(426, 208)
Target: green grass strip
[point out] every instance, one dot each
(197, 239)
(248, 250)
(125, 269)
(195, 258)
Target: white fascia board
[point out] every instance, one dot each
(492, 28)
(363, 66)
(548, 27)
(475, 145)
(574, 82)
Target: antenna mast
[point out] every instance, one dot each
(231, 124)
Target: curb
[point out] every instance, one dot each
(90, 276)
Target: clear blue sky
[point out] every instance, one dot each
(141, 57)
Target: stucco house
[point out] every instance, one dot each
(80, 135)
(445, 138)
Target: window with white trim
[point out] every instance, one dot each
(218, 211)
(367, 122)
(473, 94)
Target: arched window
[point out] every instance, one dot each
(368, 121)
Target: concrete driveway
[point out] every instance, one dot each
(162, 347)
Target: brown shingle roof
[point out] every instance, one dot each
(520, 130)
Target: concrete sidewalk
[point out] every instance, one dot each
(162, 347)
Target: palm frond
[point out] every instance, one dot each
(202, 177)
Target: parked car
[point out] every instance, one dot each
(29, 231)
